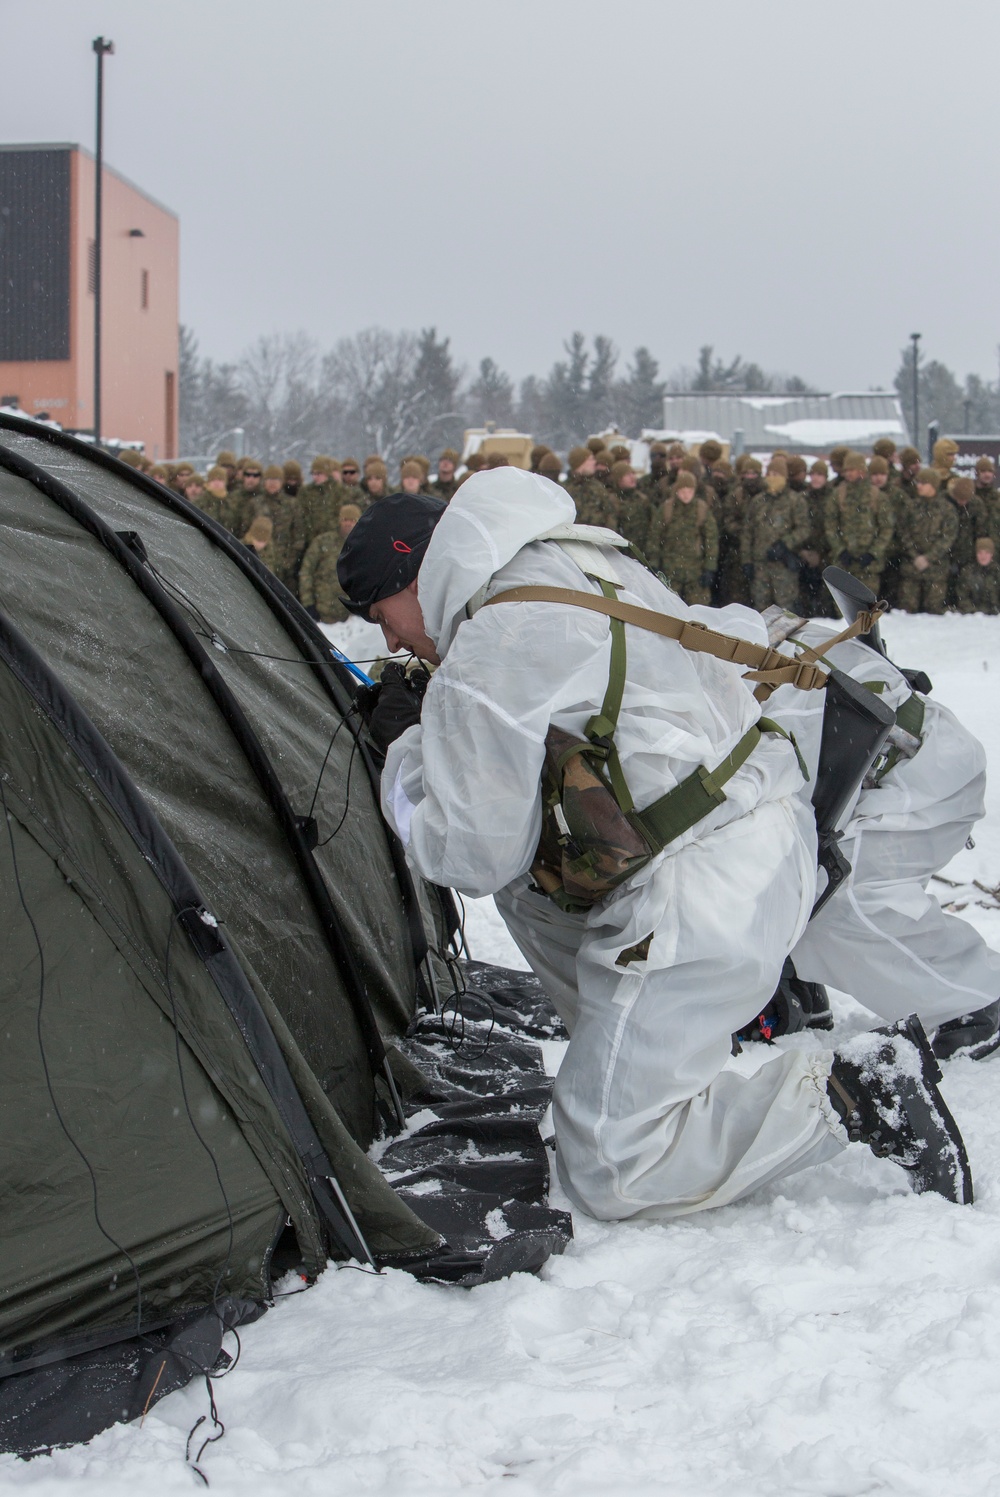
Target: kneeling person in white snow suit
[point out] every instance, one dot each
(883, 937)
(655, 978)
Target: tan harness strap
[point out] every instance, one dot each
(865, 621)
(768, 667)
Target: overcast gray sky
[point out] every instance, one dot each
(804, 183)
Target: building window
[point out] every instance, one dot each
(169, 413)
(92, 266)
(144, 291)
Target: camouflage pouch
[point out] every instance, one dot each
(588, 845)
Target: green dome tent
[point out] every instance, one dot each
(209, 967)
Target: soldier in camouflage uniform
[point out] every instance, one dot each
(446, 483)
(319, 586)
(988, 496)
(979, 580)
(859, 524)
(652, 483)
(288, 540)
(376, 484)
(227, 461)
(813, 554)
(929, 530)
(880, 477)
(320, 499)
(732, 584)
(775, 528)
(683, 541)
(549, 466)
(595, 505)
(943, 460)
(258, 538)
(970, 512)
(293, 477)
(635, 509)
(245, 499)
(537, 453)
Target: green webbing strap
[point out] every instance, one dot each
(910, 716)
(690, 801)
(601, 729)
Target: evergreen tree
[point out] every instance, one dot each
(639, 396)
(601, 386)
(491, 396)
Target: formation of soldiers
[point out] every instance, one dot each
(924, 538)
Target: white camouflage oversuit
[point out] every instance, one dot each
(649, 1121)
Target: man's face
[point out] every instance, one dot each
(350, 474)
(879, 480)
(251, 478)
(446, 470)
(854, 474)
(985, 478)
(588, 467)
(658, 462)
(817, 481)
(217, 486)
(926, 490)
(984, 558)
(376, 486)
(401, 620)
(628, 481)
(346, 524)
(911, 470)
(273, 485)
(410, 485)
(686, 494)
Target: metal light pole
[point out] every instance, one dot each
(102, 48)
(915, 340)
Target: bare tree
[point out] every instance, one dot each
(284, 410)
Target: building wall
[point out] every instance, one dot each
(139, 316)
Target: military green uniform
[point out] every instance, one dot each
(243, 508)
(443, 489)
(319, 586)
(635, 515)
(652, 485)
(859, 529)
(733, 586)
(595, 504)
(973, 521)
(979, 588)
(989, 498)
(287, 544)
(319, 504)
(816, 601)
(929, 529)
(774, 523)
(684, 543)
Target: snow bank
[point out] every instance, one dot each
(832, 1335)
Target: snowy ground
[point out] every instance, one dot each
(834, 1335)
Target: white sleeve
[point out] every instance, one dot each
(461, 789)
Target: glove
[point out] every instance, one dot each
(312, 611)
(400, 699)
(707, 579)
(777, 552)
(866, 560)
(846, 560)
(792, 562)
(747, 570)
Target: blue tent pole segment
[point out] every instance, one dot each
(355, 670)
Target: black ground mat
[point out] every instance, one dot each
(478, 1171)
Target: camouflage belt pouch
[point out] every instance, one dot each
(588, 845)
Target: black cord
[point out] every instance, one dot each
(217, 1425)
(347, 796)
(326, 757)
(57, 1111)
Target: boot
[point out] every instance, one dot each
(883, 1084)
(975, 1035)
(794, 1005)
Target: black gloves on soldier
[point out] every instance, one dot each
(393, 705)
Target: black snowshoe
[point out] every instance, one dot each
(795, 1005)
(884, 1086)
(974, 1035)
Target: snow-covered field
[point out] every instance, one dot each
(833, 1335)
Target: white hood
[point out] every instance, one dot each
(493, 515)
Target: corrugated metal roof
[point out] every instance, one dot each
(795, 422)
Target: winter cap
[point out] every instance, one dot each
(252, 464)
(819, 466)
(853, 460)
(130, 456)
(226, 460)
(685, 480)
(619, 469)
(658, 449)
(753, 465)
(985, 465)
(261, 529)
(411, 469)
(351, 510)
(878, 464)
(321, 464)
(537, 453)
(449, 455)
(159, 472)
(292, 469)
(710, 451)
(274, 470)
(620, 453)
(929, 475)
(945, 449)
(498, 460)
(383, 552)
(837, 455)
(885, 447)
(778, 465)
(595, 444)
(190, 478)
(376, 468)
(549, 465)
(577, 455)
(691, 465)
(909, 456)
(984, 543)
(962, 489)
(796, 467)
(724, 470)
(217, 475)
(477, 460)
(183, 468)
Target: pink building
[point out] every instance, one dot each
(47, 297)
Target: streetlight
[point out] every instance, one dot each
(102, 48)
(915, 340)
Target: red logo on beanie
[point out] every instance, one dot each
(402, 546)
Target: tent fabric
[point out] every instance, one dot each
(209, 938)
